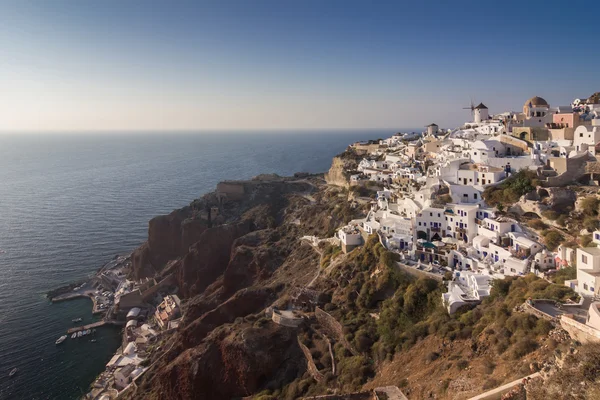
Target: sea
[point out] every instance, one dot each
(70, 202)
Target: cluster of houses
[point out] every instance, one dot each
(145, 324)
(431, 211)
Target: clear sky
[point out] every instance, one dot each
(252, 64)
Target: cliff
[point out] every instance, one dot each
(337, 173)
(365, 323)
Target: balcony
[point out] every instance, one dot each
(461, 230)
(479, 222)
(435, 229)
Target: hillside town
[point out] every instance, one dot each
(430, 205)
(503, 196)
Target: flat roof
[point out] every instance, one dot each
(595, 251)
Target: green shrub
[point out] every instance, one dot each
(586, 240)
(550, 214)
(590, 223)
(522, 347)
(590, 205)
(537, 224)
(564, 274)
(553, 239)
(562, 220)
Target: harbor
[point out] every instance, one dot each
(94, 326)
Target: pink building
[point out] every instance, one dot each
(566, 120)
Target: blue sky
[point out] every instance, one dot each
(115, 65)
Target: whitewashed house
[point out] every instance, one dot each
(588, 272)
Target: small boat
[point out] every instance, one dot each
(93, 340)
(79, 334)
(13, 372)
(61, 339)
(77, 320)
(83, 333)
(88, 332)
(74, 335)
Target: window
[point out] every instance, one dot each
(475, 196)
(584, 258)
(431, 214)
(581, 135)
(585, 286)
(439, 215)
(465, 195)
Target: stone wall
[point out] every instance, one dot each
(579, 331)
(230, 190)
(514, 142)
(290, 322)
(540, 314)
(310, 362)
(368, 395)
(333, 328)
(419, 273)
(576, 168)
(149, 293)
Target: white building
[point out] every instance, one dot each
(431, 221)
(350, 237)
(586, 138)
(480, 113)
(467, 288)
(588, 272)
(460, 221)
(479, 175)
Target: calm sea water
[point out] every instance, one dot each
(69, 203)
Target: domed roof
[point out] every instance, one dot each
(536, 102)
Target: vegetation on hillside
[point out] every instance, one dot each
(384, 310)
(511, 189)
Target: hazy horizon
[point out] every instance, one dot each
(267, 65)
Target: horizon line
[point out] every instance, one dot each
(198, 130)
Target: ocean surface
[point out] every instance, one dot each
(71, 202)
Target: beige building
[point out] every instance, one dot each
(168, 310)
(531, 134)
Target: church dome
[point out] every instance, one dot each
(535, 101)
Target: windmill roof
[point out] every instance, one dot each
(481, 106)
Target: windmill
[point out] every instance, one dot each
(472, 108)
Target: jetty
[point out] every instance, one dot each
(94, 325)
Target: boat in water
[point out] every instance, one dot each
(74, 335)
(13, 372)
(88, 332)
(93, 341)
(61, 339)
(79, 334)
(77, 319)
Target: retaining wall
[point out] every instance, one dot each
(286, 321)
(334, 328)
(419, 273)
(312, 368)
(579, 331)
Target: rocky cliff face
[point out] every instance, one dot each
(233, 270)
(231, 363)
(169, 237)
(336, 174)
